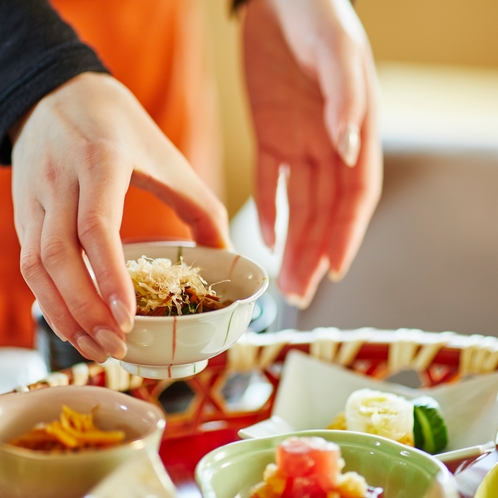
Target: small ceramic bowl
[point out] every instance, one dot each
(39, 474)
(230, 471)
(180, 346)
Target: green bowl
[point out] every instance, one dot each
(403, 472)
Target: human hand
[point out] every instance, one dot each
(312, 90)
(73, 160)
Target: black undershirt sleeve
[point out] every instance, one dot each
(38, 53)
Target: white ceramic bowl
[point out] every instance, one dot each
(28, 473)
(174, 347)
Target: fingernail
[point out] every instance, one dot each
(111, 343)
(121, 315)
(59, 334)
(91, 349)
(349, 145)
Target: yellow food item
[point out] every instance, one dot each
(351, 485)
(379, 413)
(339, 423)
(272, 486)
(73, 431)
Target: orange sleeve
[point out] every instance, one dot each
(158, 50)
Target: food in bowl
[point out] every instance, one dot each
(71, 474)
(164, 288)
(401, 471)
(312, 467)
(418, 422)
(177, 346)
(73, 431)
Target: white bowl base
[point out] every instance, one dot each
(165, 372)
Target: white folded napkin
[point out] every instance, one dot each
(20, 367)
(140, 476)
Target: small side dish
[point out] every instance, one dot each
(398, 470)
(418, 422)
(55, 471)
(311, 467)
(181, 322)
(164, 288)
(73, 431)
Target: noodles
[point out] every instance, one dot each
(72, 432)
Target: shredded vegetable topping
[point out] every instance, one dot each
(72, 432)
(166, 289)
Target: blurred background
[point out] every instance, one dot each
(430, 257)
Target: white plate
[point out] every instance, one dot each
(311, 393)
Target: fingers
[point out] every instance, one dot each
(61, 256)
(317, 113)
(73, 162)
(267, 174)
(199, 208)
(51, 303)
(170, 177)
(76, 213)
(349, 87)
(100, 206)
(328, 41)
(343, 86)
(358, 194)
(205, 214)
(311, 195)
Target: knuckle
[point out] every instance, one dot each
(100, 152)
(93, 223)
(53, 250)
(84, 312)
(31, 266)
(105, 275)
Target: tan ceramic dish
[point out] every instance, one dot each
(28, 473)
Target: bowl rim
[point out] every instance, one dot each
(203, 469)
(136, 443)
(356, 437)
(264, 282)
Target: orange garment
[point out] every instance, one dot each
(157, 48)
